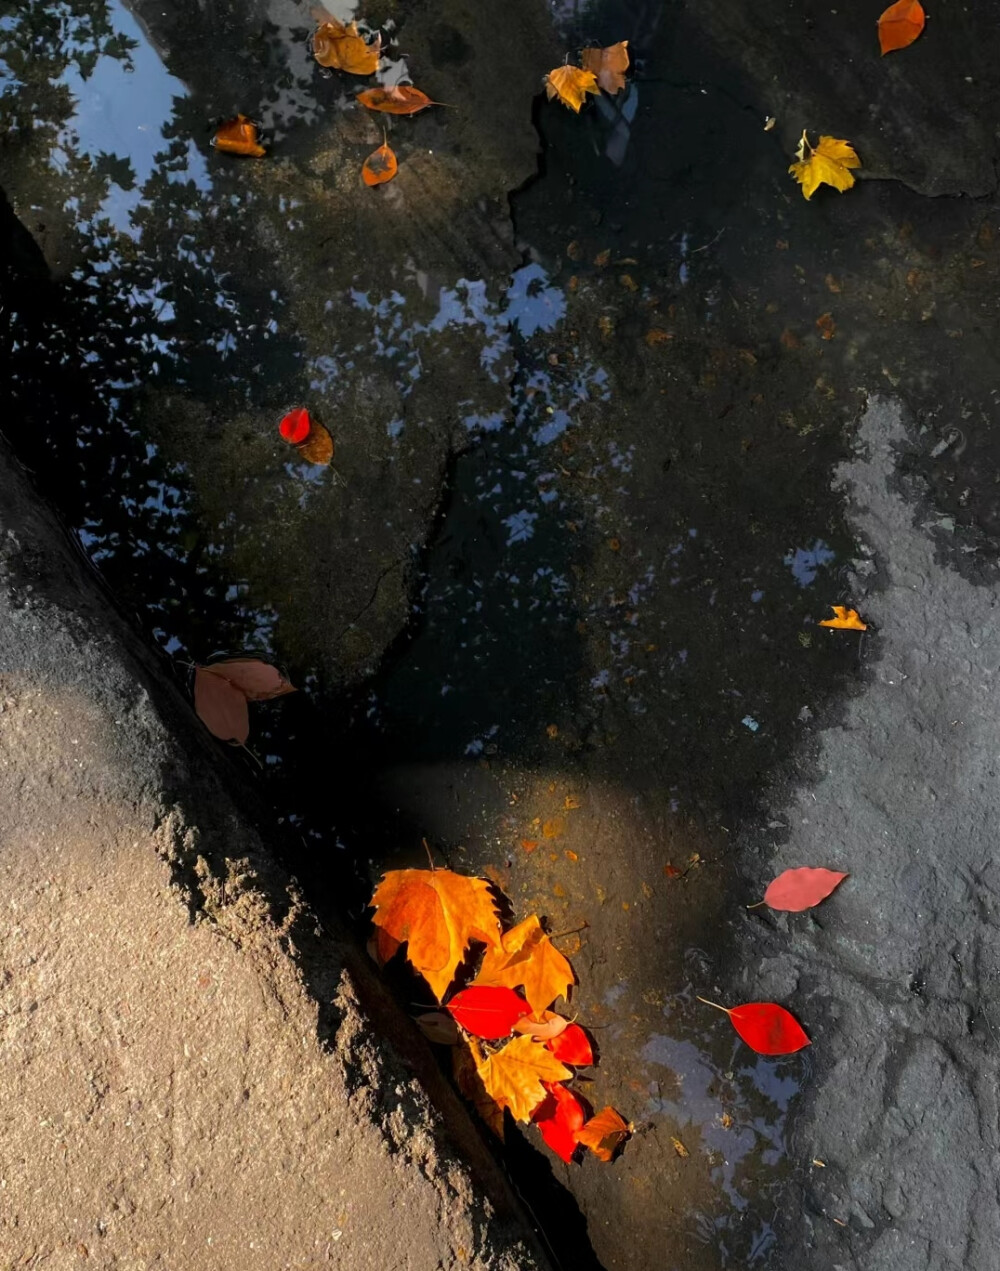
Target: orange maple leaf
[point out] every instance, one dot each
(401, 99)
(528, 958)
(609, 65)
(604, 1133)
(900, 25)
(436, 913)
(570, 85)
(845, 619)
(513, 1076)
(343, 49)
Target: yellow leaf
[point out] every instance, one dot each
(609, 65)
(679, 1147)
(528, 957)
(570, 85)
(466, 1060)
(828, 163)
(513, 1076)
(436, 913)
(845, 620)
(604, 1133)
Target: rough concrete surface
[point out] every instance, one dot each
(170, 1099)
(898, 975)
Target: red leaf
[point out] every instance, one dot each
(221, 707)
(258, 681)
(798, 889)
(765, 1027)
(560, 1118)
(489, 1013)
(572, 1046)
(295, 426)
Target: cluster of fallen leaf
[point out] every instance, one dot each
(511, 1050)
(599, 69)
(340, 46)
(832, 161)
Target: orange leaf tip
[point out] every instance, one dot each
(844, 619)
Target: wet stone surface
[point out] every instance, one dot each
(555, 605)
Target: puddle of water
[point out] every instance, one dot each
(591, 635)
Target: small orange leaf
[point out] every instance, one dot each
(604, 1133)
(239, 136)
(845, 619)
(221, 707)
(827, 326)
(900, 25)
(570, 85)
(609, 65)
(380, 166)
(343, 49)
(401, 99)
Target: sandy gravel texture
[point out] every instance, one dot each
(170, 1098)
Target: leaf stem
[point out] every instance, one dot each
(570, 931)
(430, 859)
(715, 1004)
(757, 905)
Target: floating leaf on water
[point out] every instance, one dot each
(490, 1013)
(570, 85)
(436, 913)
(560, 1117)
(239, 136)
(401, 99)
(609, 65)
(221, 707)
(765, 1027)
(527, 958)
(341, 48)
(844, 619)
(604, 1133)
(380, 166)
(799, 889)
(258, 681)
(900, 25)
(828, 163)
(572, 1046)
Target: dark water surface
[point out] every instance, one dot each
(561, 584)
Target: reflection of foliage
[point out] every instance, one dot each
(150, 304)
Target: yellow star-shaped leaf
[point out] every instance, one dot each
(828, 163)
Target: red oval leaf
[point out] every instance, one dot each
(489, 1013)
(798, 889)
(295, 426)
(768, 1028)
(221, 707)
(560, 1118)
(572, 1046)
